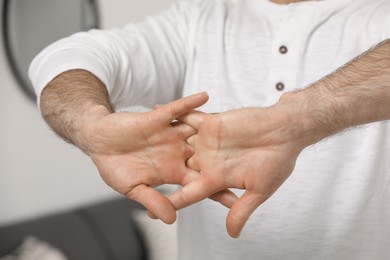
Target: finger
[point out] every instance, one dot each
(193, 164)
(225, 197)
(194, 118)
(155, 202)
(190, 176)
(241, 211)
(184, 131)
(191, 193)
(167, 113)
(151, 215)
(191, 140)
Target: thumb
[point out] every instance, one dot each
(241, 211)
(154, 202)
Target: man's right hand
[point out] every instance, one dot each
(135, 152)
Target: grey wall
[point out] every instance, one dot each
(39, 173)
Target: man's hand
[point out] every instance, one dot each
(135, 152)
(252, 149)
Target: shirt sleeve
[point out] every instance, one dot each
(140, 64)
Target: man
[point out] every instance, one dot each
(251, 56)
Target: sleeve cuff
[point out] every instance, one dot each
(46, 67)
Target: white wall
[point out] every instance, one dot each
(39, 173)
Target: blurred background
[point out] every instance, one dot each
(39, 173)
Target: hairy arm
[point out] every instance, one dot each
(70, 98)
(356, 94)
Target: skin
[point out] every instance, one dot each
(134, 152)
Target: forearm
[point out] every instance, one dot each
(71, 96)
(356, 94)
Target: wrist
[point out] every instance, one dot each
(83, 126)
(309, 115)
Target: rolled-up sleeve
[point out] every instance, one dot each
(140, 64)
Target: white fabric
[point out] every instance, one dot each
(160, 239)
(336, 203)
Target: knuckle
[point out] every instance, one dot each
(172, 110)
(238, 218)
(191, 140)
(148, 202)
(130, 194)
(188, 152)
(180, 133)
(192, 163)
(181, 199)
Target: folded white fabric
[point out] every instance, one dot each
(34, 249)
(160, 238)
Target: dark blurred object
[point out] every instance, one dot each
(27, 30)
(102, 231)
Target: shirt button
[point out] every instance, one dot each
(280, 86)
(283, 49)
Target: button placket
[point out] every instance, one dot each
(280, 85)
(287, 48)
